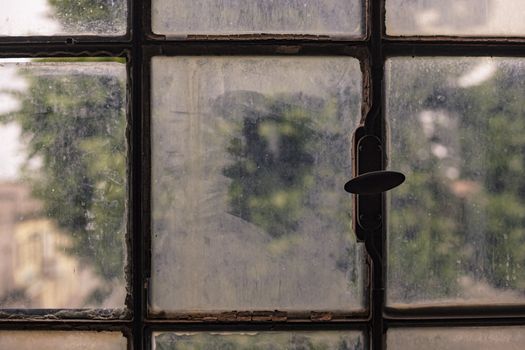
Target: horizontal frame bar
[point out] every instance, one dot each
(458, 39)
(358, 50)
(456, 312)
(260, 49)
(106, 50)
(63, 39)
(453, 49)
(448, 323)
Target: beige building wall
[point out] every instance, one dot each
(37, 267)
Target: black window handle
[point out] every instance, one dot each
(374, 182)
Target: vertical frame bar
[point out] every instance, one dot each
(376, 128)
(137, 189)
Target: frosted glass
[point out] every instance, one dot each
(456, 229)
(62, 184)
(249, 159)
(214, 17)
(470, 338)
(455, 17)
(259, 340)
(63, 17)
(62, 340)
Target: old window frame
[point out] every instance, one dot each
(138, 45)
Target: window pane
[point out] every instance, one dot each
(334, 18)
(250, 156)
(487, 338)
(61, 340)
(455, 17)
(62, 183)
(457, 227)
(259, 340)
(63, 17)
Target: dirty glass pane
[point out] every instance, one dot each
(259, 340)
(471, 338)
(249, 159)
(334, 18)
(63, 17)
(455, 17)
(61, 340)
(62, 183)
(457, 226)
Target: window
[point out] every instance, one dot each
(174, 171)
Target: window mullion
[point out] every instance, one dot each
(370, 208)
(137, 142)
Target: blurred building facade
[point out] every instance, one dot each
(37, 269)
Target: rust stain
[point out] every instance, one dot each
(209, 318)
(244, 316)
(279, 316)
(321, 316)
(227, 316)
(262, 316)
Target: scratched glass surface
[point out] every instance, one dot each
(249, 159)
(457, 226)
(455, 17)
(327, 18)
(469, 338)
(62, 183)
(259, 340)
(63, 17)
(62, 340)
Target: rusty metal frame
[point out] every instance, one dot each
(138, 46)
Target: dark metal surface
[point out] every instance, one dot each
(137, 158)
(460, 322)
(374, 182)
(40, 50)
(270, 48)
(457, 311)
(375, 239)
(452, 48)
(369, 155)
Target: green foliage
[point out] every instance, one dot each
(75, 126)
(272, 172)
(496, 122)
(287, 158)
(99, 16)
(439, 234)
